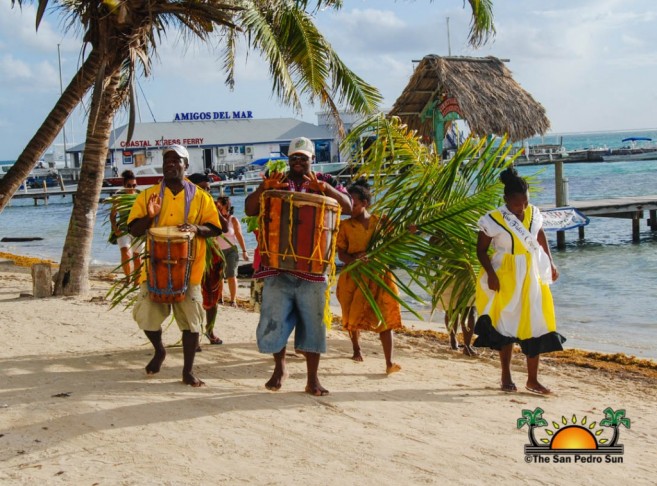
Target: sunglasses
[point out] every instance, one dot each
(299, 157)
(131, 186)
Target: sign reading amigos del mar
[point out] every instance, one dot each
(213, 115)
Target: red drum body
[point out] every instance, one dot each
(298, 231)
(171, 253)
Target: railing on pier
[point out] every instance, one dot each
(633, 207)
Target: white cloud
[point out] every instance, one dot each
(25, 77)
(19, 32)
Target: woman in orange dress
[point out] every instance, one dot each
(357, 314)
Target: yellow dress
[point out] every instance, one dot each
(522, 310)
(357, 314)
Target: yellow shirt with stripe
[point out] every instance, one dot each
(202, 210)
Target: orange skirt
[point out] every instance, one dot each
(357, 314)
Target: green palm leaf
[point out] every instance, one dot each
(442, 199)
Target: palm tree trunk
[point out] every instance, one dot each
(73, 275)
(50, 128)
(532, 439)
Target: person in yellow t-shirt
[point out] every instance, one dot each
(175, 202)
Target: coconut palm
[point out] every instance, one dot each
(532, 420)
(301, 62)
(614, 419)
(481, 29)
(443, 200)
(125, 34)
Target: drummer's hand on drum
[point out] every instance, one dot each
(154, 205)
(314, 184)
(188, 228)
(275, 181)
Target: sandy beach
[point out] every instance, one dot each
(77, 408)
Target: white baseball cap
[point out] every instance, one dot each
(302, 145)
(179, 149)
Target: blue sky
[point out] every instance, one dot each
(592, 64)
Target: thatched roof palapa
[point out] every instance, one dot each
(490, 100)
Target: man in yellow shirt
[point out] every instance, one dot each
(175, 202)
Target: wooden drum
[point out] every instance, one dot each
(171, 253)
(298, 231)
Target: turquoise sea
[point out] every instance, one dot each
(607, 286)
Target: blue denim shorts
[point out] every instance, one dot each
(290, 303)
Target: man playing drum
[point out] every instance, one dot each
(294, 299)
(174, 202)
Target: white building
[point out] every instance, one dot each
(221, 141)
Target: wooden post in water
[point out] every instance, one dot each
(559, 199)
(652, 220)
(636, 226)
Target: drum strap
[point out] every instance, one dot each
(190, 191)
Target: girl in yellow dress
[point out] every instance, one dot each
(513, 294)
(357, 314)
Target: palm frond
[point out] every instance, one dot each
(442, 199)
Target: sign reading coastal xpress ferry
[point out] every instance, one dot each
(213, 115)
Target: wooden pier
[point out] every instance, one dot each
(633, 208)
(51, 192)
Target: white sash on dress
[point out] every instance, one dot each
(540, 259)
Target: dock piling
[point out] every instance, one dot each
(559, 199)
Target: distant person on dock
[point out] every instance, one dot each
(294, 301)
(130, 250)
(174, 202)
(513, 290)
(357, 313)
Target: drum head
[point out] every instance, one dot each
(170, 233)
(301, 198)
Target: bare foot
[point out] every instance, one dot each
(155, 364)
(537, 388)
(508, 387)
(191, 380)
(393, 368)
(213, 339)
(276, 381)
(469, 351)
(316, 390)
(453, 343)
(357, 355)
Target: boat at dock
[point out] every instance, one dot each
(638, 148)
(146, 176)
(544, 153)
